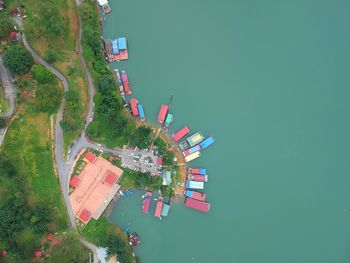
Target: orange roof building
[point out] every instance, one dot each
(96, 189)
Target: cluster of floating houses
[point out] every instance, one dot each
(116, 49)
(162, 208)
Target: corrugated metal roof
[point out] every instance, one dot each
(122, 43)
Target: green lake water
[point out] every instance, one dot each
(271, 81)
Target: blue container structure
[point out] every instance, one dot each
(194, 149)
(122, 43)
(207, 142)
(141, 112)
(115, 47)
(202, 171)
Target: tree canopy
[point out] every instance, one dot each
(42, 75)
(141, 137)
(18, 60)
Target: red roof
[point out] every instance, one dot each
(90, 157)
(38, 253)
(133, 104)
(85, 215)
(14, 11)
(74, 181)
(198, 205)
(13, 36)
(51, 237)
(160, 161)
(4, 252)
(181, 133)
(158, 208)
(162, 113)
(110, 178)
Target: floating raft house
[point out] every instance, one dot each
(194, 149)
(141, 112)
(195, 195)
(192, 156)
(207, 142)
(194, 185)
(165, 210)
(197, 171)
(181, 133)
(158, 209)
(162, 113)
(198, 205)
(195, 139)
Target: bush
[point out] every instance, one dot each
(18, 60)
(141, 137)
(3, 122)
(42, 75)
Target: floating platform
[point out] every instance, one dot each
(165, 209)
(162, 113)
(133, 106)
(194, 185)
(158, 209)
(195, 139)
(207, 142)
(194, 149)
(195, 195)
(126, 83)
(198, 177)
(181, 133)
(192, 157)
(146, 202)
(141, 112)
(197, 171)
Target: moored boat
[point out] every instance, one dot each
(133, 106)
(162, 113)
(194, 149)
(141, 112)
(194, 185)
(198, 177)
(192, 156)
(183, 145)
(197, 171)
(126, 84)
(134, 239)
(119, 82)
(107, 45)
(198, 205)
(181, 133)
(147, 198)
(196, 195)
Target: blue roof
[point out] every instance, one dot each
(141, 112)
(122, 42)
(189, 193)
(207, 142)
(194, 149)
(202, 171)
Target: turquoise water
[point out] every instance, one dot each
(270, 79)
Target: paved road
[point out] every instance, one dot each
(10, 90)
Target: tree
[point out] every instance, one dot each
(41, 216)
(48, 98)
(18, 60)
(141, 137)
(42, 75)
(3, 122)
(5, 25)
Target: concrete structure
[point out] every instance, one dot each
(96, 188)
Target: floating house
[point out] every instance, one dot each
(105, 6)
(134, 239)
(141, 112)
(181, 133)
(122, 49)
(197, 171)
(184, 145)
(115, 47)
(159, 208)
(197, 177)
(169, 119)
(198, 205)
(195, 195)
(126, 84)
(162, 113)
(133, 106)
(207, 142)
(192, 156)
(195, 139)
(194, 185)
(194, 149)
(165, 210)
(146, 202)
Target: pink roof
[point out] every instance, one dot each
(181, 133)
(74, 181)
(160, 161)
(111, 178)
(133, 104)
(199, 196)
(85, 216)
(146, 202)
(51, 237)
(126, 84)
(90, 157)
(13, 36)
(158, 208)
(199, 177)
(162, 113)
(38, 253)
(198, 205)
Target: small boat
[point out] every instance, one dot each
(194, 185)
(197, 171)
(134, 239)
(181, 133)
(162, 113)
(126, 84)
(198, 177)
(198, 205)
(159, 208)
(146, 202)
(195, 195)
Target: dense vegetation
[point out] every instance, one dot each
(18, 60)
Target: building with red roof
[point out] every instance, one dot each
(85, 216)
(38, 253)
(74, 181)
(90, 157)
(111, 178)
(160, 161)
(51, 237)
(14, 36)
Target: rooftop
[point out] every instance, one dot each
(97, 187)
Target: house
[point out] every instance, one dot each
(15, 11)
(2, 5)
(14, 36)
(166, 177)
